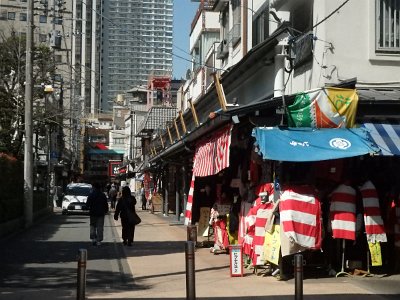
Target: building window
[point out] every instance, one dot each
(3, 15)
(42, 38)
(11, 15)
(388, 25)
(22, 16)
(58, 58)
(237, 21)
(43, 19)
(260, 25)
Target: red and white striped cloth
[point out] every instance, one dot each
(189, 204)
(373, 221)
(343, 212)
(213, 156)
(250, 221)
(244, 209)
(300, 216)
(263, 211)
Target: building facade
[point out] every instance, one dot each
(136, 43)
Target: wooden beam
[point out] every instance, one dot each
(162, 141)
(220, 91)
(169, 133)
(182, 122)
(193, 109)
(178, 134)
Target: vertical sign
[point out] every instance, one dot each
(236, 260)
(113, 168)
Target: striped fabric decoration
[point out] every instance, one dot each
(300, 216)
(213, 156)
(343, 212)
(210, 158)
(263, 210)
(250, 221)
(188, 211)
(373, 221)
(244, 209)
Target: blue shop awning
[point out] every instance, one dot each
(311, 144)
(386, 137)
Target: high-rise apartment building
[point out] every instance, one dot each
(136, 43)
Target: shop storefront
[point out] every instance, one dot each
(278, 191)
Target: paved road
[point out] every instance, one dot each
(41, 263)
(44, 258)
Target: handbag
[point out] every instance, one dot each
(133, 218)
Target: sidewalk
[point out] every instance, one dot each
(157, 262)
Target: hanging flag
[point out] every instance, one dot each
(300, 216)
(188, 211)
(324, 108)
(373, 221)
(343, 212)
(212, 156)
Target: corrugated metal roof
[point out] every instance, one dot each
(378, 94)
(157, 118)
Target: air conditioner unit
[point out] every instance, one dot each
(222, 50)
(55, 39)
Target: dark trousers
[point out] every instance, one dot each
(128, 232)
(144, 202)
(113, 201)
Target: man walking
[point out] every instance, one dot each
(98, 208)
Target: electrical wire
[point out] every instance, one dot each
(330, 15)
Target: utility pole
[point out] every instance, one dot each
(28, 150)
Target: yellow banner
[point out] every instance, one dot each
(376, 254)
(272, 245)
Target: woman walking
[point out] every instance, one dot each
(126, 203)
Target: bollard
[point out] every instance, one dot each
(298, 276)
(190, 271)
(192, 233)
(81, 282)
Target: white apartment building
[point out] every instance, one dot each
(326, 43)
(136, 43)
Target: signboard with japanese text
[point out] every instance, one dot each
(113, 168)
(236, 260)
(203, 226)
(272, 245)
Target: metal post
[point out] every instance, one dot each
(190, 271)
(166, 201)
(28, 149)
(81, 282)
(131, 139)
(191, 233)
(177, 200)
(298, 276)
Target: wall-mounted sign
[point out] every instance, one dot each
(113, 168)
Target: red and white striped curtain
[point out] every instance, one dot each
(210, 158)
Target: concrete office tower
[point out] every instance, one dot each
(136, 44)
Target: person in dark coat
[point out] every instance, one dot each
(126, 202)
(98, 208)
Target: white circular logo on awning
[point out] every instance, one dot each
(340, 143)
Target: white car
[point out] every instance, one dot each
(75, 197)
